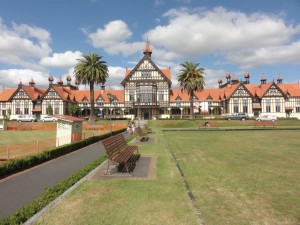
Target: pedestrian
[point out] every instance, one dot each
(132, 128)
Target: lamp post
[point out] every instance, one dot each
(178, 103)
(137, 113)
(110, 98)
(149, 107)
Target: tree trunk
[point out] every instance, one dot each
(192, 105)
(92, 113)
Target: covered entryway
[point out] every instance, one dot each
(146, 114)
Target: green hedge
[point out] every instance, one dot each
(17, 165)
(34, 206)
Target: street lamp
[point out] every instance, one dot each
(137, 113)
(110, 98)
(149, 107)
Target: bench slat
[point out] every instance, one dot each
(118, 150)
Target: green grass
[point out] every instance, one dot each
(245, 177)
(158, 201)
(17, 137)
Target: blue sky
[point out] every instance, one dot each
(42, 38)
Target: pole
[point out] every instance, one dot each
(7, 152)
(110, 130)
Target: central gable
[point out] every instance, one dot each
(145, 70)
(241, 91)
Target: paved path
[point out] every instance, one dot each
(17, 189)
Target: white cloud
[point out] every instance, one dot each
(63, 60)
(22, 44)
(12, 77)
(116, 76)
(227, 33)
(113, 39)
(285, 54)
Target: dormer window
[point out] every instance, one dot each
(85, 102)
(100, 102)
(178, 101)
(209, 100)
(115, 102)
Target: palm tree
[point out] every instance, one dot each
(91, 70)
(191, 79)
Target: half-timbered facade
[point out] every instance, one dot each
(147, 94)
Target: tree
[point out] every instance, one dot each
(74, 109)
(191, 79)
(91, 70)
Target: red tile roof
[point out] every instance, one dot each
(6, 94)
(68, 118)
(33, 92)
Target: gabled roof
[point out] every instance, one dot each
(215, 93)
(6, 94)
(292, 89)
(63, 92)
(164, 72)
(259, 90)
(81, 95)
(33, 92)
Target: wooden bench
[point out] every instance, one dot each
(118, 151)
(264, 124)
(141, 135)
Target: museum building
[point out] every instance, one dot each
(147, 94)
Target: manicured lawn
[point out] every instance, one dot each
(161, 200)
(246, 177)
(16, 137)
(237, 177)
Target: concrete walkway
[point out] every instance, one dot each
(17, 189)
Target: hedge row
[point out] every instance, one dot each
(17, 165)
(34, 206)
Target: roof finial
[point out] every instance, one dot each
(147, 50)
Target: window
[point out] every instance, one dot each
(277, 105)
(56, 108)
(100, 102)
(268, 105)
(26, 108)
(297, 109)
(178, 102)
(146, 73)
(245, 106)
(160, 95)
(147, 94)
(235, 106)
(18, 110)
(84, 102)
